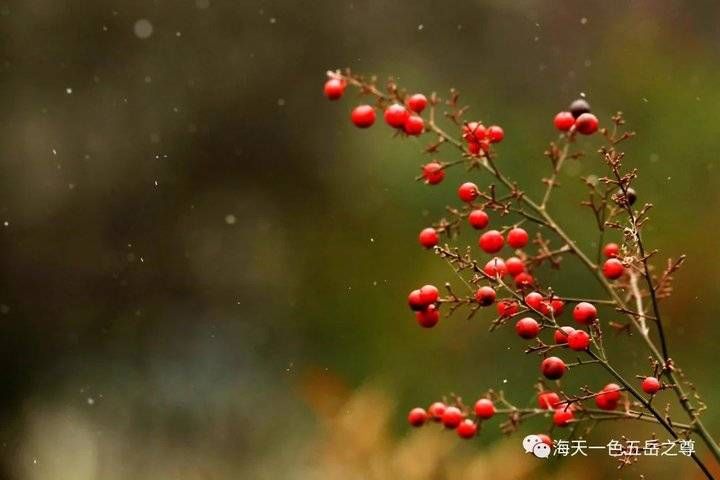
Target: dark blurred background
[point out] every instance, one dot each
(205, 266)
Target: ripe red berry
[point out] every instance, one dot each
(548, 400)
(495, 267)
(564, 121)
(584, 313)
(417, 102)
(415, 300)
(334, 88)
(527, 328)
(436, 411)
(557, 306)
(612, 391)
(651, 385)
(605, 403)
(578, 340)
(451, 417)
(507, 308)
(587, 124)
(491, 241)
(535, 301)
(562, 417)
(417, 417)
(474, 132)
(363, 116)
(495, 134)
(428, 237)
(524, 280)
(561, 335)
(467, 429)
(545, 439)
(433, 173)
(514, 266)
(485, 296)
(414, 125)
(429, 317)
(553, 368)
(613, 269)
(517, 237)
(429, 294)
(396, 115)
(478, 219)
(468, 192)
(611, 250)
(484, 408)
(474, 148)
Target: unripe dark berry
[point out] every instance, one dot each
(468, 192)
(548, 400)
(561, 335)
(613, 269)
(564, 121)
(485, 296)
(478, 219)
(527, 328)
(651, 385)
(436, 410)
(414, 125)
(396, 115)
(630, 197)
(587, 124)
(467, 429)
(417, 417)
(553, 368)
(429, 317)
(578, 107)
(517, 237)
(417, 102)
(363, 116)
(451, 417)
(491, 241)
(433, 173)
(514, 266)
(334, 88)
(562, 417)
(495, 267)
(428, 237)
(578, 340)
(524, 280)
(585, 313)
(507, 308)
(495, 134)
(484, 408)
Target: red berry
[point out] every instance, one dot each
(517, 238)
(436, 411)
(473, 148)
(468, 192)
(484, 408)
(396, 115)
(557, 306)
(612, 391)
(527, 328)
(417, 102)
(587, 124)
(584, 313)
(474, 132)
(507, 308)
(429, 294)
(548, 400)
(414, 125)
(417, 417)
(495, 268)
(478, 219)
(613, 269)
(564, 121)
(561, 335)
(545, 439)
(415, 300)
(451, 417)
(467, 429)
(514, 266)
(524, 280)
(491, 241)
(578, 340)
(495, 134)
(605, 403)
(429, 317)
(562, 417)
(485, 296)
(363, 116)
(429, 237)
(553, 368)
(536, 301)
(334, 88)
(651, 385)
(433, 173)
(611, 250)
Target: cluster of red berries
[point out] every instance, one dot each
(478, 138)
(423, 302)
(578, 118)
(613, 268)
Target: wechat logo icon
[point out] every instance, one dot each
(534, 444)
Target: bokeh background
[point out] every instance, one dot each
(205, 266)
